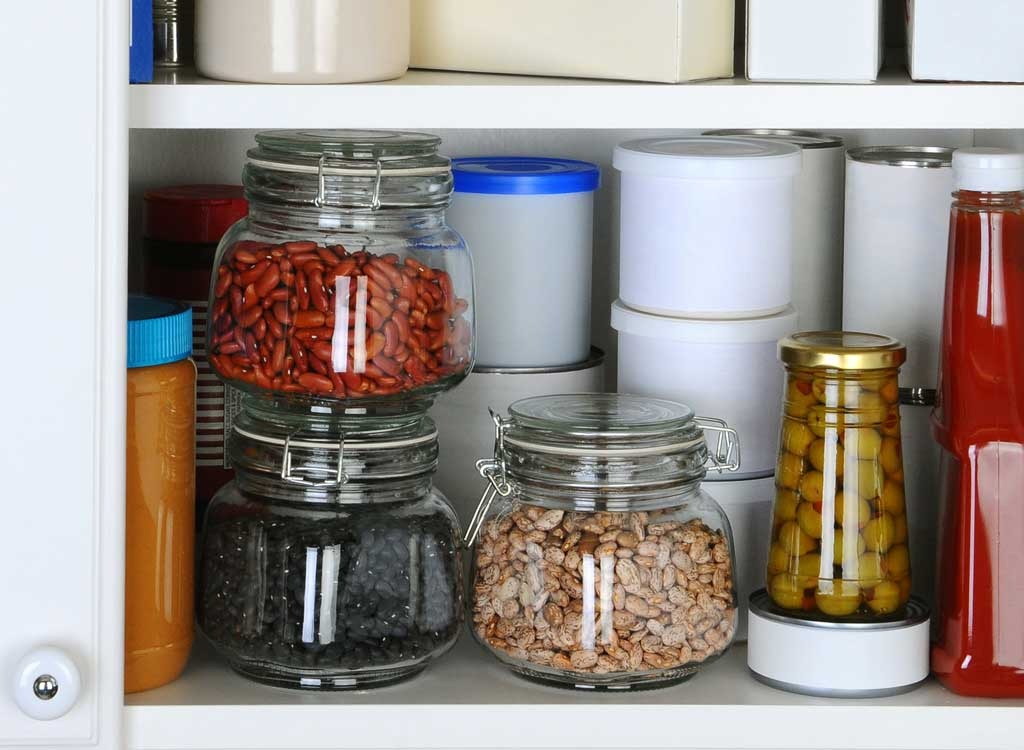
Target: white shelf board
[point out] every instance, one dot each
(468, 700)
(435, 100)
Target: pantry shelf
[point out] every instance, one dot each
(426, 99)
(467, 700)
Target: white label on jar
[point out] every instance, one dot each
(211, 432)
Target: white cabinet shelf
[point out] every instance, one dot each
(467, 700)
(425, 99)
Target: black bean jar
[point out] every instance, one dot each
(330, 562)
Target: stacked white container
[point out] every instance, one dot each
(706, 256)
(528, 222)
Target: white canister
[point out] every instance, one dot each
(466, 430)
(706, 226)
(897, 233)
(819, 194)
(292, 41)
(810, 40)
(728, 368)
(529, 223)
(748, 504)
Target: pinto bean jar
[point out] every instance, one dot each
(601, 563)
(344, 287)
(839, 546)
(330, 562)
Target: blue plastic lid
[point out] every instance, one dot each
(524, 175)
(159, 331)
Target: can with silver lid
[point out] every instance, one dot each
(817, 224)
(173, 21)
(894, 272)
(599, 561)
(330, 562)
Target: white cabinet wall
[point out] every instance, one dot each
(65, 204)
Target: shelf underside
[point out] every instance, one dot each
(433, 100)
(468, 700)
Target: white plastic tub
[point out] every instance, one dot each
(819, 193)
(723, 368)
(837, 41)
(706, 226)
(466, 431)
(748, 504)
(529, 224)
(298, 41)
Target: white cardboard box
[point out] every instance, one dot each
(836, 41)
(668, 41)
(954, 40)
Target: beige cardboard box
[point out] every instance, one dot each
(668, 41)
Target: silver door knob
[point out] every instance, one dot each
(46, 683)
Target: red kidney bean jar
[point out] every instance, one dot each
(182, 226)
(344, 291)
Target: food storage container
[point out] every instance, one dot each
(839, 540)
(897, 225)
(159, 493)
(530, 225)
(728, 368)
(978, 647)
(282, 41)
(667, 41)
(330, 562)
(808, 40)
(950, 41)
(181, 228)
(600, 562)
(466, 431)
(706, 225)
(748, 505)
(344, 288)
(817, 270)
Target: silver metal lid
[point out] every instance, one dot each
(921, 157)
(916, 612)
(805, 139)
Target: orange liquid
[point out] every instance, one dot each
(160, 521)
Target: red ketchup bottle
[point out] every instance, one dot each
(979, 424)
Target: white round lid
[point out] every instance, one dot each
(770, 328)
(709, 158)
(988, 170)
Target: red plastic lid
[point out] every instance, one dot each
(193, 213)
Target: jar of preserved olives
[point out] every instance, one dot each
(839, 546)
(330, 562)
(601, 563)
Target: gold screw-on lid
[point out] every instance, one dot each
(842, 350)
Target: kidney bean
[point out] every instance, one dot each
(278, 333)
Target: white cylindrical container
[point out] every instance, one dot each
(897, 233)
(466, 430)
(287, 41)
(529, 223)
(706, 226)
(819, 194)
(748, 504)
(728, 368)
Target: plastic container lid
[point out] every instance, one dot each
(770, 328)
(159, 331)
(193, 213)
(709, 158)
(524, 175)
(988, 170)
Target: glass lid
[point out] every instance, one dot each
(602, 415)
(310, 145)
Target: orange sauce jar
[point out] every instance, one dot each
(160, 493)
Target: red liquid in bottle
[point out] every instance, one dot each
(979, 422)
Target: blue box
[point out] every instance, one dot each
(140, 49)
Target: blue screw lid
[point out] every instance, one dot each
(159, 331)
(524, 175)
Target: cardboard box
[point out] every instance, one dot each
(827, 41)
(668, 41)
(954, 40)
